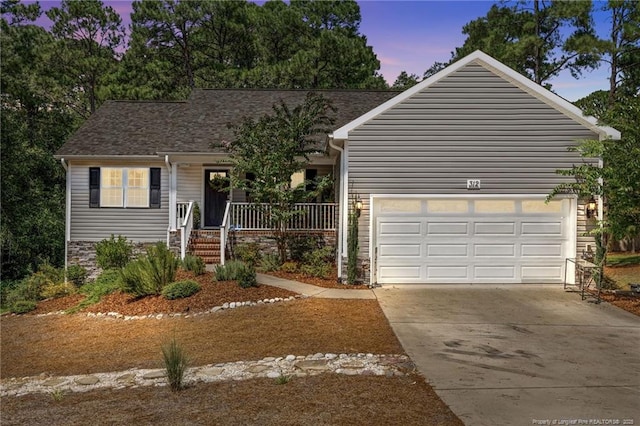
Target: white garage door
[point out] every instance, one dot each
(470, 240)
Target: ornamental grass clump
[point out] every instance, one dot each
(175, 363)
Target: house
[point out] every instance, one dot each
(451, 176)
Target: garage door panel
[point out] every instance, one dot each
(459, 272)
(495, 228)
(400, 272)
(541, 228)
(542, 273)
(400, 228)
(495, 272)
(447, 250)
(541, 250)
(403, 250)
(447, 228)
(494, 250)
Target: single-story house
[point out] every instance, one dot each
(451, 176)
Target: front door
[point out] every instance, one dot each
(215, 198)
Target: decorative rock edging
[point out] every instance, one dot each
(230, 305)
(271, 367)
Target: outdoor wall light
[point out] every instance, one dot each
(358, 206)
(592, 208)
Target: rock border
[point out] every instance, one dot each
(287, 367)
(224, 306)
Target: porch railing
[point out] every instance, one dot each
(224, 231)
(309, 217)
(185, 221)
(181, 212)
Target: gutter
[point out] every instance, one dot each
(344, 202)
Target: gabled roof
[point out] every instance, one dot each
(146, 128)
(499, 69)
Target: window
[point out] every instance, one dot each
(124, 187)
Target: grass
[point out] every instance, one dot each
(106, 283)
(623, 259)
(623, 268)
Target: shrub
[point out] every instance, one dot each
(151, 273)
(6, 288)
(31, 287)
(319, 256)
(299, 245)
(270, 262)
(321, 270)
(113, 253)
(55, 290)
(247, 277)
(77, 275)
(249, 253)
(136, 280)
(23, 306)
(194, 264)
(107, 282)
(180, 289)
(175, 363)
(228, 271)
(289, 267)
(162, 264)
(53, 274)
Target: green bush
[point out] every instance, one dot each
(151, 273)
(31, 287)
(6, 288)
(163, 265)
(249, 253)
(321, 270)
(180, 289)
(23, 306)
(55, 290)
(319, 256)
(77, 275)
(247, 277)
(194, 264)
(228, 271)
(113, 253)
(106, 283)
(289, 267)
(299, 245)
(270, 262)
(53, 274)
(175, 363)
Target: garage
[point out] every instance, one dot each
(471, 239)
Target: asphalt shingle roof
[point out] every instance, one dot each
(149, 127)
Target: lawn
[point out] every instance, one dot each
(80, 344)
(623, 268)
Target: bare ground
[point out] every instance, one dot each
(78, 344)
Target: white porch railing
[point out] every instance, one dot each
(181, 212)
(185, 221)
(310, 216)
(224, 231)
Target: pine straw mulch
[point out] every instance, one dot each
(320, 282)
(78, 344)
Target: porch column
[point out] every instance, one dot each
(173, 183)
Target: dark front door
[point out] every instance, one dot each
(215, 198)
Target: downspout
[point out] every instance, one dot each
(344, 202)
(172, 209)
(67, 212)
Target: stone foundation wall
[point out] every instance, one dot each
(83, 253)
(364, 270)
(174, 241)
(267, 243)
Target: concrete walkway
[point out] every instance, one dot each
(315, 291)
(520, 355)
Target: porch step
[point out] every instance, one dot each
(205, 243)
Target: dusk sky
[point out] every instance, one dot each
(412, 35)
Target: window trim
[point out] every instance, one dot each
(151, 181)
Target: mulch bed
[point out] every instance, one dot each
(320, 282)
(626, 302)
(212, 294)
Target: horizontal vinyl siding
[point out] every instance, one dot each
(472, 124)
(189, 185)
(95, 224)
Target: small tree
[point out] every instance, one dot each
(352, 246)
(272, 148)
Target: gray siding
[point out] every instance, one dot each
(471, 124)
(189, 183)
(95, 224)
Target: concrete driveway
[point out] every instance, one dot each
(520, 355)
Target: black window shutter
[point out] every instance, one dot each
(154, 187)
(94, 186)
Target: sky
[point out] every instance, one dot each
(412, 35)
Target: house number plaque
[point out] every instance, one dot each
(473, 184)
